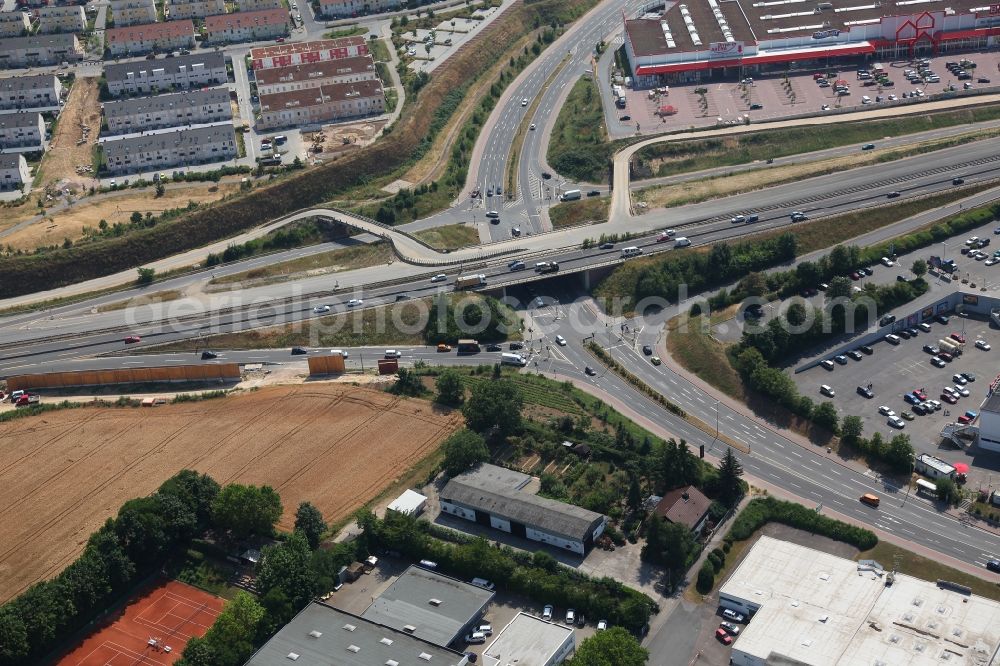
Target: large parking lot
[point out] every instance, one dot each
(893, 371)
(770, 96)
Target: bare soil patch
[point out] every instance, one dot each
(63, 473)
(76, 133)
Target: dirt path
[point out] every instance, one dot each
(76, 133)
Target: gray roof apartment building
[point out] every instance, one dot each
(255, 5)
(68, 18)
(39, 50)
(181, 9)
(40, 91)
(316, 74)
(247, 26)
(133, 12)
(155, 37)
(146, 76)
(183, 147)
(174, 109)
(22, 131)
(495, 497)
(14, 24)
(316, 106)
(429, 605)
(321, 635)
(343, 8)
(14, 172)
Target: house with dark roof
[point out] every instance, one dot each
(494, 496)
(685, 506)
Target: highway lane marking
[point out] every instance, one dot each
(795, 453)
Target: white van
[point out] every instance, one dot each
(340, 352)
(681, 241)
(392, 353)
(865, 99)
(486, 585)
(631, 252)
(507, 358)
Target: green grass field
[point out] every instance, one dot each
(585, 211)
(579, 146)
(449, 237)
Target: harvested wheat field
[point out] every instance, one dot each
(63, 473)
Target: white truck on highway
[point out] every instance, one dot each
(470, 281)
(570, 195)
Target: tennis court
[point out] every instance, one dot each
(153, 628)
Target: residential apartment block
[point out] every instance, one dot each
(298, 53)
(133, 12)
(22, 130)
(256, 5)
(201, 69)
(184, 108)
(14, 173)
(247, 26)
(184, 147)
(182, 9)
(14, 24)
(41, 91)
(324, 73)
(343, 8)
(316, 106)
(69, 18)
(39, 50)
(155, 37)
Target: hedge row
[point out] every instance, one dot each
(761, 511)
(606, 358)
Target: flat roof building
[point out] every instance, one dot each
(146, 76)
(495, 496)
(692, 41)
(933, 467)
(321, 635)
(410, 503)
(429, 605)
(530, 640)
(811, 607)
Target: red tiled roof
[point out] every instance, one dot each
(244, 19)
(150, 31)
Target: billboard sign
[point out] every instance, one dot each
(994, 10)
(826, 34)
(725, 50)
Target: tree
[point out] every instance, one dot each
(146, 275)
(851, 429)
(309, 521)
(678, 466)
(286, 567)
(197, 491)
(136, 218)
(825, 416)
(796, 314)
(840, 287)
(667, 544)
(611, 647)
(494, 407)
(14, 645)
(947, 491)
(729, 483)
(919, 268)
(160, 189)
(407, 383)
(463, 450)
(245, 510)
(450, 388)
(900, 453)
(231, 637)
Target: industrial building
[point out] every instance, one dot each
(298, 53)
(150, 38)
(133, 12)
(40, 91)
(429, 606)
(530, 640)
(22, 132)
(67, 18)
(694, 41)
(989, 420)
(247, 26)
(810, 607)
(39, 50)
(182, 108)
(143, 77)
(14, 24)
(185, 147)
(314, 75)
(348, 8)
(14, 172)
(182, 9)
(495, 497)
(325, 104)
(321, 635)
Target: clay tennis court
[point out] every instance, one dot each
(168, 614)
(63, 473)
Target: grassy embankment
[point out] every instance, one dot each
(579, 146)
(333, 261)
(449, 237)
(583, 211)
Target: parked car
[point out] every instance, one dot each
(827, 363)
(827, 390)
(896, 422)
(570, 616)
(885, 411)
(993, 565)
(547, 612)
(855, 354)
(733, 615)
(958, 337)
(892, 339)
(723, 637)
(730, 627)
(865, 392)
(866, 349)
(938, 362)
(485, 629)
(476, 637)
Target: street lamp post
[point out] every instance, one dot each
(910, 478)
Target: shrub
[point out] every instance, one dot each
(761, 511)
(706, 578)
